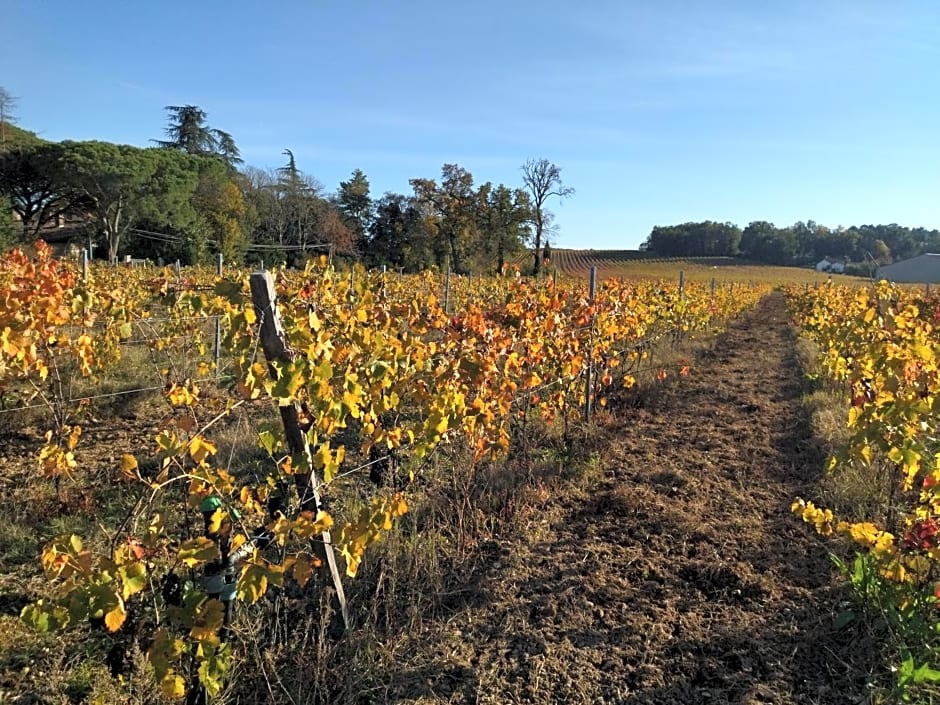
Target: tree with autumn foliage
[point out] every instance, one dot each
(221, 203)
(292, 217)
(452, 206)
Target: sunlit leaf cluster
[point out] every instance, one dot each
(880, 345)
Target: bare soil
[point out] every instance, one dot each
(679, 575)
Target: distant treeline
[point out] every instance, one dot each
(801, 243)
(190, 196)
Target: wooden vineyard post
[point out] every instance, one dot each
(677, 336)
(218, 325)
(274, 344)
(589, 381)
(447, 292)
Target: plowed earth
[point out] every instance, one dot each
(681, 577)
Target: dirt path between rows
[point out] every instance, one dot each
(681, 577)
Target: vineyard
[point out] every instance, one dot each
(322, 486)
(879, 352)
(635, 264)
(378, 375)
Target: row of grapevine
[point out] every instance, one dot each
(880, 346)
(378, 366)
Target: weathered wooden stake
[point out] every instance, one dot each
(678, 335)
(85, 265)
(589, 381)
(274, 344)
(447, 292)
(218, 325)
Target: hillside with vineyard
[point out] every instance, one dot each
(638, 264)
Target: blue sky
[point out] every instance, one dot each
(657, 112)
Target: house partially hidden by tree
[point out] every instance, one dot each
(924, 269)
(831, 264)
(66, 234)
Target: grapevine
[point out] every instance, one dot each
(377, 358)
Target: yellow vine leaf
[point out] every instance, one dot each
(133, 578)
(199, 550)
(307, 526)
(173, 686)
(200, 448)
(253, 582)
(115, 617)
(209, 619)
(215, 521)
(129, 466)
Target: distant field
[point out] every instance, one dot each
(641, 265)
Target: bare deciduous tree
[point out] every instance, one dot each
(542, 179)
(7, 103)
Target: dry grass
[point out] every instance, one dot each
(410, 596)
(856, 492)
